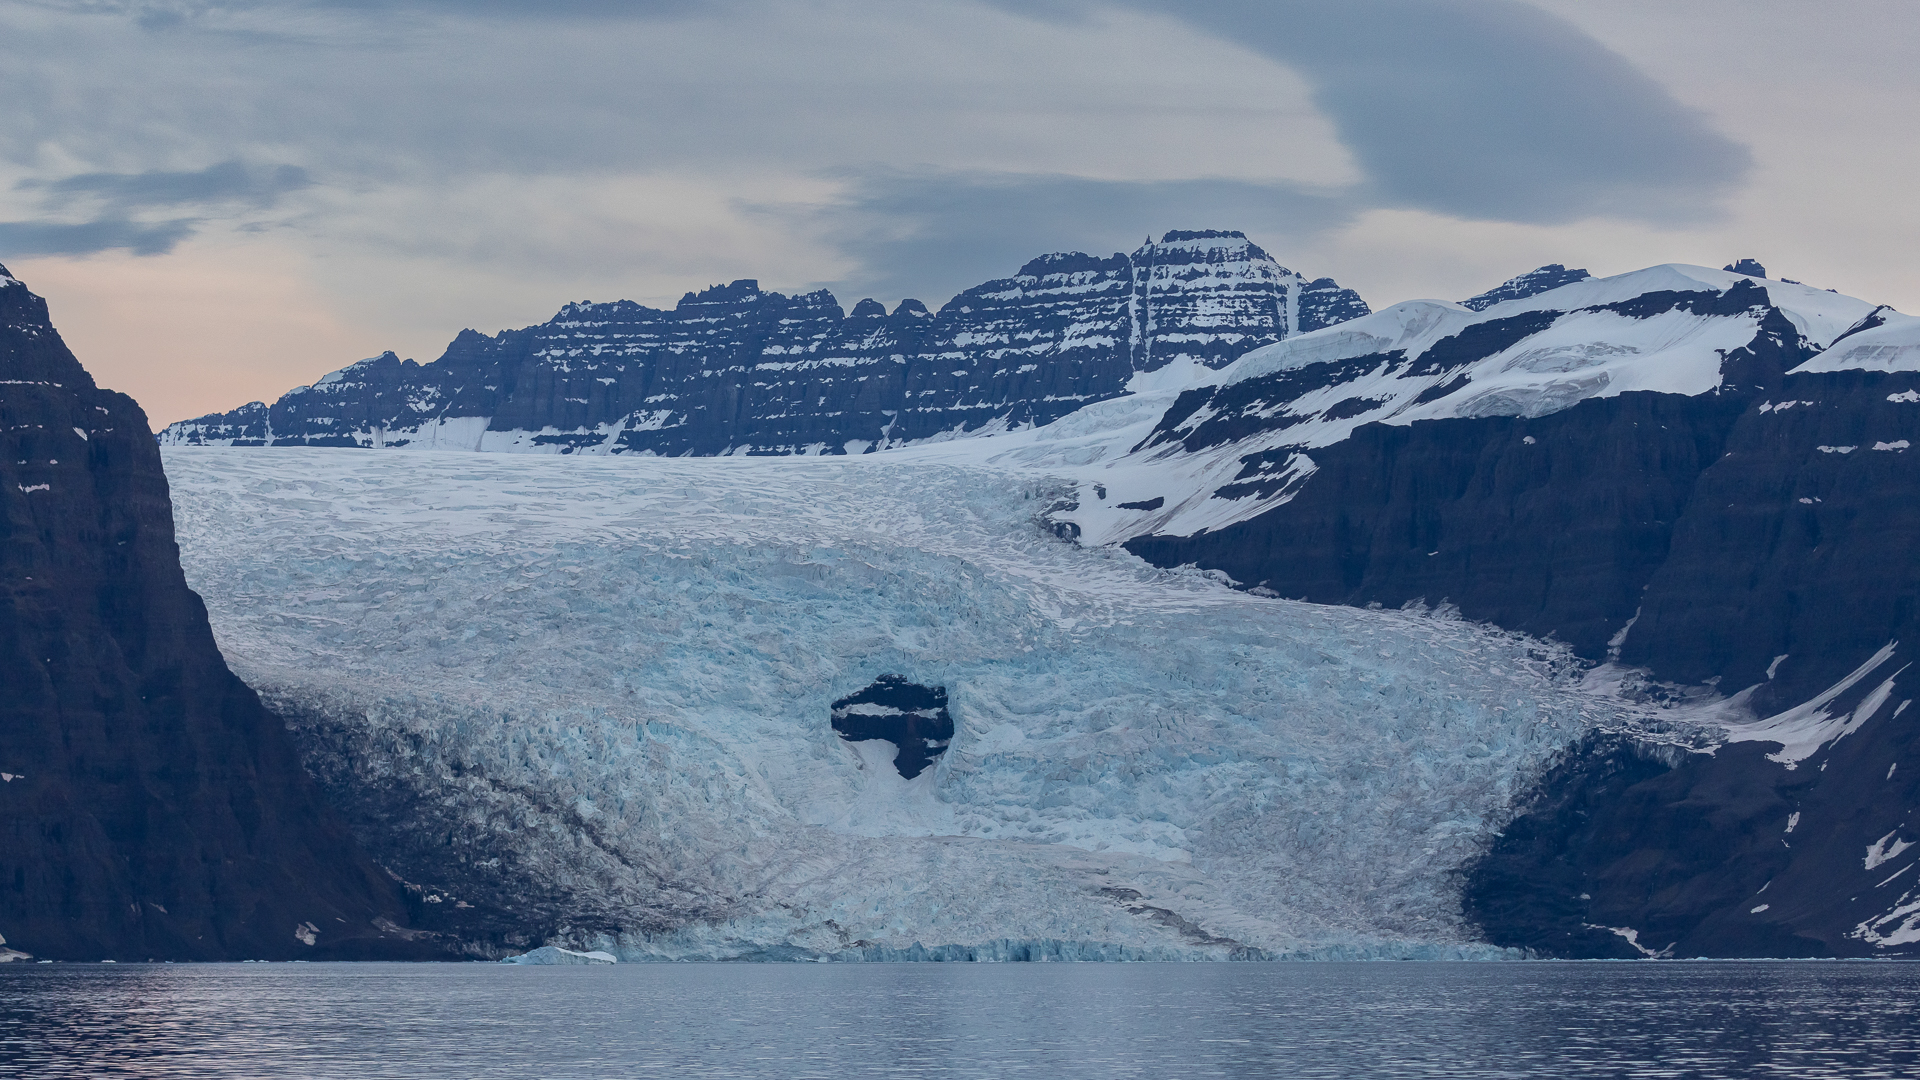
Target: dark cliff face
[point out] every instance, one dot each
(1732, 854)
(735, 369)
(1793, 572)
(149, 807)
(1552, 525)
(1800, 546)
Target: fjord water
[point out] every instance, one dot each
(1633, 1019)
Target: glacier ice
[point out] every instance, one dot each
(608, 682)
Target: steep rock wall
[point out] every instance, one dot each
(149, 807)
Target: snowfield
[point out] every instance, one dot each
(608, 680)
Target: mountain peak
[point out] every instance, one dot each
(1177, 235)
(733, 292)
(1532, 283)
(1069, 262)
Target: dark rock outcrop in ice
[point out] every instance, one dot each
(149, 807)
(908, 715)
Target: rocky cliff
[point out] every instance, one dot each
(149, 807)
(736, 369)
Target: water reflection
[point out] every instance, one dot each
(931, 1020)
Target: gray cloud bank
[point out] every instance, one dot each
(111, 197)
(19, 238)
(1490, 109)
(933, 233)
(1480, 109)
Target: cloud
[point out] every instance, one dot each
(24, 238)
(933, 233)
(461, 157)
(614, 10)
(229, 182)
(115, 200)
(1489, 109)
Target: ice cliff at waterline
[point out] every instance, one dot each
(593, 702)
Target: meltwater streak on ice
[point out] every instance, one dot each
(617, 674)
(1711, 1021)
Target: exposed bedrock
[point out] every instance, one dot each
(1551, 526)
(1629, 850)
(912, 717)
(149, 807)
(1700, 537)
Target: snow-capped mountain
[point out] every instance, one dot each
(1255, 426)
(1532, 462)
(735, 370)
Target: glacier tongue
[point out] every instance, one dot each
(598, 692)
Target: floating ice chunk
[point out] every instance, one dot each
(555, 955)
(1632, 937)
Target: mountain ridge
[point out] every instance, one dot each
(733, 369)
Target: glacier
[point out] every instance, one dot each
(600, 688)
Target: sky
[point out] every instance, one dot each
(223, 199)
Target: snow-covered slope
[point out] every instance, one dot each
(600, 691)
(1241, 441)
(1884, 340)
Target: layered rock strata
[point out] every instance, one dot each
(736, 369)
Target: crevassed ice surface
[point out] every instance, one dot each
(618, 673)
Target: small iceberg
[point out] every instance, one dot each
(553, 954)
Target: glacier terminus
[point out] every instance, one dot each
(589, 699)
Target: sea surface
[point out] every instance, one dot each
(1644, 1019)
